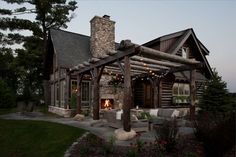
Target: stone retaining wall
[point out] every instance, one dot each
(61, 111)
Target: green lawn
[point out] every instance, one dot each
(20, 138)
(7, 110)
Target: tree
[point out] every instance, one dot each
(48, 14)
(215, 98)
(215, 124)
(7, 97)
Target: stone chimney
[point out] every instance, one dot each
(102, 36)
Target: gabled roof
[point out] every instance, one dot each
(182, 37)
(180, 34)
(70, 48)
(164, 37)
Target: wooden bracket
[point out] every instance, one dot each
(121, 67)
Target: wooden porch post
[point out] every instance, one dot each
(95, 94)
(155, 92)
(79, 80)
(96, 75)
(59, 86)
(67, 90)
(192, 93)
(127, 93)
(159, 92)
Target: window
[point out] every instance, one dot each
(181, 89)
(181, 92)
(184, 52)
(85, 93)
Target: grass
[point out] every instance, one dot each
(20, 138)
(7, 110)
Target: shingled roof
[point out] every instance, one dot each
(71, 48)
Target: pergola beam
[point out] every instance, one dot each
(148, 65)
(117, 71)
(151, 53)
(156, 62)
(110, 59)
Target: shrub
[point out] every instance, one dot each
(218, 136)
(167, 135)
(108, 147)
(73, 101)
(7, 96)
(144, 115)
(215, 124)
(131, 153)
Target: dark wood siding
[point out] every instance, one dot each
(166, 44)
(166, 93)
(167, 84)
(138, 94)
(200, 87)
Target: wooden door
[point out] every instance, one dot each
(148, 96)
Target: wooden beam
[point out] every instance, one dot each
(142, 68)
(67, 90)
(121, 67)
(179, 43)
(117, 71)
(110, 59)
(159, 93)
(148, 65)
(155, 92)
(95, 94)
(116, 68)
(151, 53)
(156, 62)
(128, 95)
(79, 80)
(100, 73)
(92, 74)
(192, 93)
(59, 85)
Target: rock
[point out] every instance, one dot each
(79, 117)
(122, 135)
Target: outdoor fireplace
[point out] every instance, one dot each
(107, 104)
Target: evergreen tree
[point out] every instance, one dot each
(215, 98)
(30, 61)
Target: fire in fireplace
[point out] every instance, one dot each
(107, 104)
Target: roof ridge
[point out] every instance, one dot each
(166, 36)
(69, 32)
(176, 32)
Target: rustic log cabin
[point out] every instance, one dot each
(95, 73)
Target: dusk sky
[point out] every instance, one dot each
(214, 22)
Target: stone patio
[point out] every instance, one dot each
(97, 127)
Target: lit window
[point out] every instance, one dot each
(85, 91)
(181, 89)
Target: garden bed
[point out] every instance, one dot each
(91, 146)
